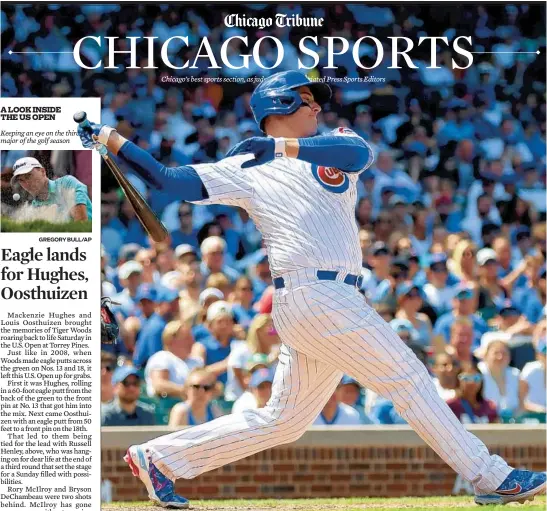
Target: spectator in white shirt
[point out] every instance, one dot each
(259, 392)
(533, 377)
(166, 371)
(502, 383)
(446, 369)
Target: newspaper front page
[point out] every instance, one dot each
(172, 172)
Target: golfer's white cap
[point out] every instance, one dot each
(25, 165)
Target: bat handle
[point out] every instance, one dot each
(82, 120)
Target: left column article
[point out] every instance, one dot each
(49, 306)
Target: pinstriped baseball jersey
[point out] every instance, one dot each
(306, 212)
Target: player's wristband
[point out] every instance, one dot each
(104, 134)
(280, 150)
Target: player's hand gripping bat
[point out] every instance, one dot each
(144, 213)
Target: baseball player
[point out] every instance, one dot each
(300, 190)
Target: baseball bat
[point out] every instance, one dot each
(146, 216)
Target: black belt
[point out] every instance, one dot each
(352, 280)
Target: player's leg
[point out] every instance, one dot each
(332, 322)
(300, 389)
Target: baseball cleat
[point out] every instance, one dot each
(161, 489)
(519, 486)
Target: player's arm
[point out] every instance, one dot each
(348, 153)
(184, 180)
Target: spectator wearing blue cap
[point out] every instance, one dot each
(336, 413)
(464, 305)
(149, 340)
(260, 386)
(200, 389)
(130, 275)
(409, 302)
(379, 261)
(533, 376)
(405, 330)
(437, 291)
(125, 410)
(213, 350)
(351, 393)
(531, 297)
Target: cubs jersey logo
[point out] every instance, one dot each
(330, 178)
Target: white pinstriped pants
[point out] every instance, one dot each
(328, 329)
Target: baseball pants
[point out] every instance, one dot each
(328, 329)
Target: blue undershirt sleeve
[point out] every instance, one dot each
(184, 181)
(347, 154)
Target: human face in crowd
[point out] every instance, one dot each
(132, 282)
(497, 355)
(182, 342)
(214, 258)
(470, 383)
(128, 390)
(185, 216)
(446, 369)
(484, 204)
(222, 327)
(34, 182)
(464, 306)
(147, 259)
(366, 239)
(169, 310)
(489, 270)
(262, 393)
(147, 307)
(244, 291)
(267, 336)
(438, 274)
(165, 261)
(190, 275)
(412, 302)
(502, 247)
(200, 387)
(461, 337)
(348, 394)
(384, 162)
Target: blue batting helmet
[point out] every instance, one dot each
(276, 95)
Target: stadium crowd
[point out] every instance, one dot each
(451, 215)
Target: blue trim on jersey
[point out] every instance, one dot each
(341, 188)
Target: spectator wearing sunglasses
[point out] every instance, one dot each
(409, 302)
(201, 387)
(469, 405)
(125, 410)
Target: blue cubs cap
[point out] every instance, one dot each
(259, 377)
(166, 295)
(405, 288)
(438, 259)
(146, 292)
(348, 380)
(464, 293)
(122, 372)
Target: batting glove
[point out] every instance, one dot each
(264, 149)
(86, 134)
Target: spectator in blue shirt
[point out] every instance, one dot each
(130, 275)
(149, 340)
(531, 298)
(464, 305)
(186, 234)
(214, 349)
(125, 410)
